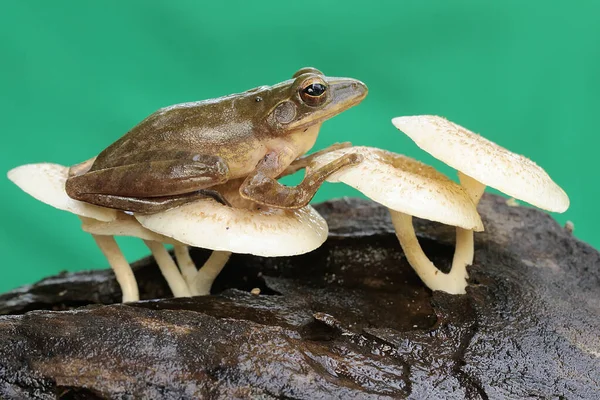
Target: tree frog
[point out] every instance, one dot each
(180, 153)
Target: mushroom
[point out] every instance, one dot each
(245, 227)
(482, 163)
(126, 225)
(46, 182)
(410, 188)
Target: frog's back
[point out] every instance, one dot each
(204, 127)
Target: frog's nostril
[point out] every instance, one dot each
(359, 87)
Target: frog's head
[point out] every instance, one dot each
(310, 98)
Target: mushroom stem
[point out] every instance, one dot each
(169, 269)
(209, 272)
(453, 283)
(465, 246)
(186, 264)
(473, 187)
(120, 266)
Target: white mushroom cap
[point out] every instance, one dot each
(264, 231)
(124, 225)
(46, 182)
(485, 161)
(406, 185)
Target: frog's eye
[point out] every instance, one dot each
(314, 93)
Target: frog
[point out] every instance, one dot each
(181, 153)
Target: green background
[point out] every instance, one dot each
(76, 75)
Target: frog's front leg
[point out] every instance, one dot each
(153, 186)
(262, 187)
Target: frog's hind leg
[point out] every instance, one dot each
(153, 186)
(151, 205)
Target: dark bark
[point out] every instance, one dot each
(349, 320)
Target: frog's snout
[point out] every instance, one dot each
(354, 86)
(348, 91)
(360, 88)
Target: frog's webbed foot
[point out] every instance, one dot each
(305, 161)
(261, 188)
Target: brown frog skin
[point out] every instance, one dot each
(177, 154)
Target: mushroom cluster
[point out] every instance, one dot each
(407, 187)
(242, 228)
(410, 188)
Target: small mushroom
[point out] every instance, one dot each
(481, 162)
(410, 188)
(244, 228)
(46, 182)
